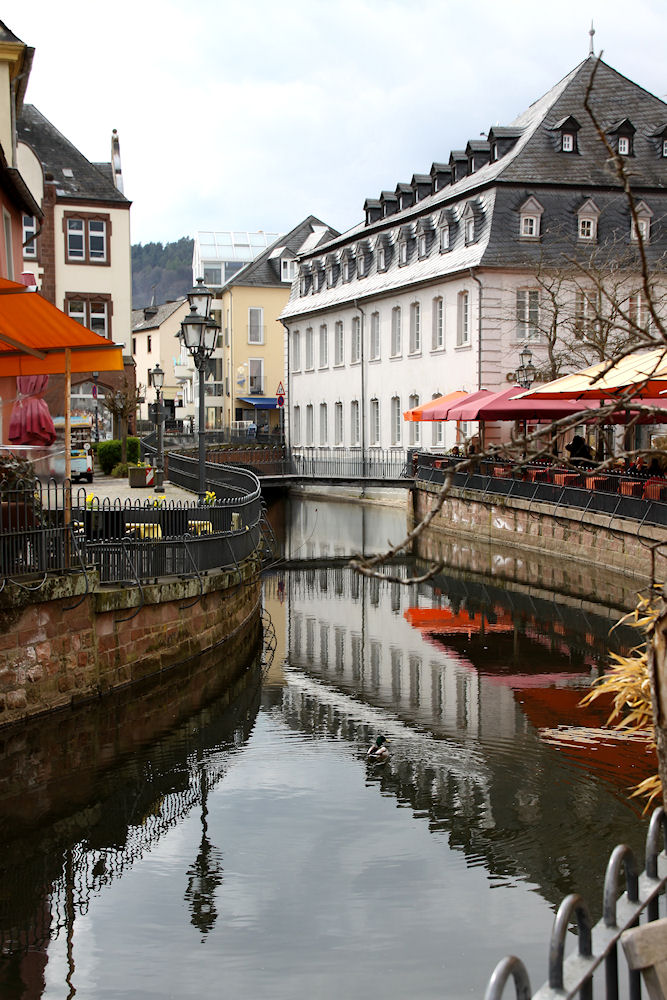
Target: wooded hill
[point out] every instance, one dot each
(163, 269)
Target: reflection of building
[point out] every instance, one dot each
(437, 288)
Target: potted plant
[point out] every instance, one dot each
(140, 474)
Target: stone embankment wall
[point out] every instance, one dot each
(571, 552)
(60, 646)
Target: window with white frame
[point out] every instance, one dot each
(355, 426)
(255, 325)
(339, 343)
(93, 312)
(296, 350)
(296, 425)
(567, 142)
(586, 313)
(324, 427)
(415, 328)
(402, 253)
(374, 422)
(463, 319)
(29, 233)
(395, 415)
(422, 246)
(331, 277)
(355, 343)
(624, 145)
(338, 424)
(395, 331)
(438, 324)
(664, 147)
(324, 345)
(382, 259)
(361, 264)
(643, 225)
(86, 238)
(309, 350)
(375, 336)
(527, 313)
(587, 221)
(437, 427)
(309, 425)
(288, 269)
(443, 234)
(469, 230)
(638, 313)
(415, 426)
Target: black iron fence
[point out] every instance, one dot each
(597, 948)
(51, 528)
(617, 494)
(344, 463)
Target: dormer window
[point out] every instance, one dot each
(568, 129)
(664, 147)
(304, 283)
(623, 132)
(530, 219)
(382, 259)
(444, 237)
(422, 247)
(587, 221)
(402, 253)
(643, 226)
(468, 224)
(361, 265)
(288, 270)
(494, 152)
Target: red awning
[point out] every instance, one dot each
(468, 408)
(435, 409)
(533, 409)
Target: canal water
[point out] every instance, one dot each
(245, 847)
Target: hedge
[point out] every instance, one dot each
(109, 452)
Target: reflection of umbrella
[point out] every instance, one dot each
(434, 409)
(645, 374)
(31, 421)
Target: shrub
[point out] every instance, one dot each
(109, 452)
(120, 471)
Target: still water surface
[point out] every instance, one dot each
(252, 851)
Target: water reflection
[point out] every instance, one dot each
(245, 840)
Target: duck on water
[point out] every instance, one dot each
(378, 752)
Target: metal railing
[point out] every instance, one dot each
(303, 463)
(53, 528)
(581, 489)
(597, 946)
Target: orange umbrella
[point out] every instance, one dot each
(35, 336)
(427, 411)
(645, 374)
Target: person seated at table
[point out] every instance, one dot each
(456, 451)
(579, 451)
(638, 467)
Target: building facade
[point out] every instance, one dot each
(448, 277)
(155, 340)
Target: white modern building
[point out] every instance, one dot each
(436, 289)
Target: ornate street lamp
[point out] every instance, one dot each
(526, 372)
(157, 378)
(200, 334)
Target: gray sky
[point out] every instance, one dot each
(252, 115)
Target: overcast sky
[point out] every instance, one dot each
(256, 113)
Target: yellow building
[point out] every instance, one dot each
(249, 366)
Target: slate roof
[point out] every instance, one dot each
(164, 311)
(534, 165)
(264, 271)
(88, 181)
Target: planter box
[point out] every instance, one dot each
(138, 476)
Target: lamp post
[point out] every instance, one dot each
(525, 373)
(199, 333)
(96, 375)
(157, 377)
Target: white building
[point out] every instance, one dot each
(436, 289)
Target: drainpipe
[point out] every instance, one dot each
(232, 373)
(479, 326)
(363, 396)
